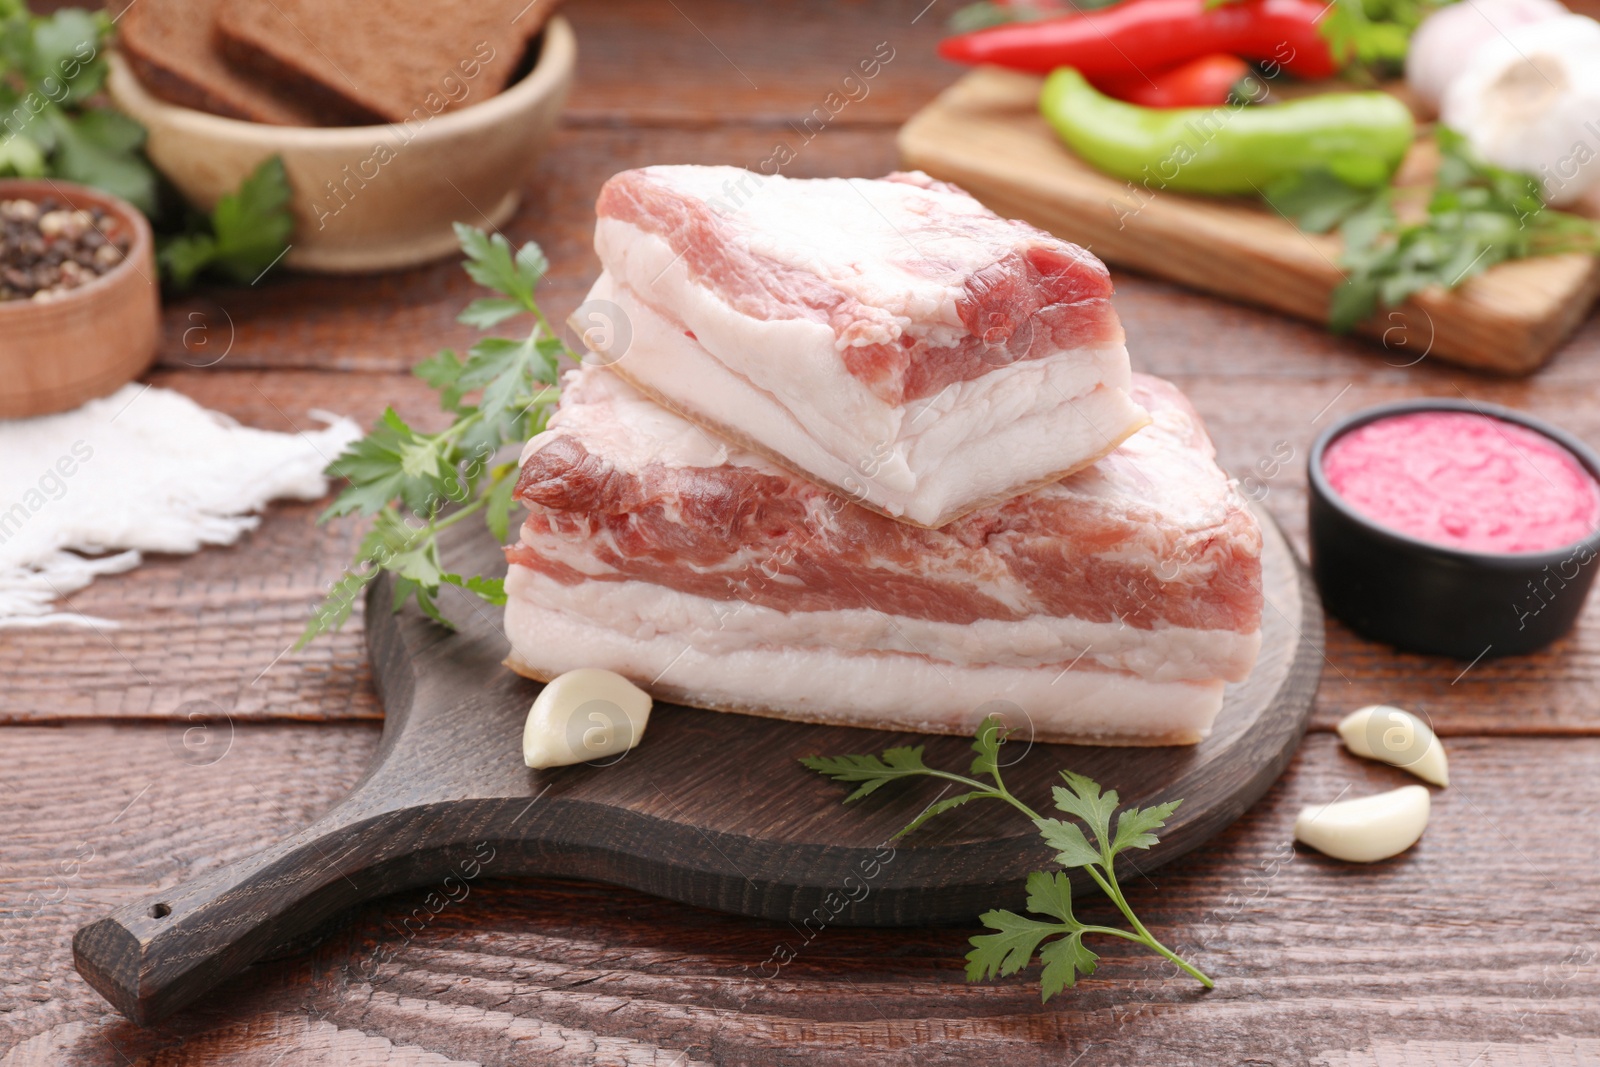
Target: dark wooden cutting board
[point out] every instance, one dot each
(712, 809)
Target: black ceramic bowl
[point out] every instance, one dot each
(1430, 598)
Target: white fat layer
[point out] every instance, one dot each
(973, 441)
(644, 612)
(893, 246)
(1163, 480)
(793, 358)
(875, 690)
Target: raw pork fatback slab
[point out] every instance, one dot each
(1110, 607)
(893, 339)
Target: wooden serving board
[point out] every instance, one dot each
(985, 134)
(712, 809)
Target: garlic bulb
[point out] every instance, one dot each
(1443, 45)
(1366, 829)
(1530, 102)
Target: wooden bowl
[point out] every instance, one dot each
(369, 197)
(58, 354)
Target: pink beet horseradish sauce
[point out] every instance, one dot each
(1465, 481)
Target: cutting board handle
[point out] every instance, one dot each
(155, 955)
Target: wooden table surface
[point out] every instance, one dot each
(1478, 947)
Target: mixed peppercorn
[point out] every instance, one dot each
(48, 248)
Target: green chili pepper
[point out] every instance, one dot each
(1230, 149)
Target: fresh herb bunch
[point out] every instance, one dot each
(416, 485)
(1477, 215)
(245, 234)
(1372, 37)
(1017, 939)
(50, 68)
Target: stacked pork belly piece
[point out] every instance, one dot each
(863, 452)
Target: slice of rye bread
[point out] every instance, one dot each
(382, 60)
(171, 47)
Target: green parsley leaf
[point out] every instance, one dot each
(1051, 894)
(501, 502)
(986, 743)
(488, 312)
(1017, 938)
(873, 772)
(1064, 960)
(247, 232)
(1136, 826)
(1372, 37)
(1084, 799)
(439, 479)
(1477, 215)
(490, 263)
(1010, 950)
(1072, 848)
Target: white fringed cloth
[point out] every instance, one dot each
(85, 492)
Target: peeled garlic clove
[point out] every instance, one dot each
(584, 715)
(1367, 829)
(1398, 738)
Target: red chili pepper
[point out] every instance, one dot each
(1139, 36)
(1203, 82)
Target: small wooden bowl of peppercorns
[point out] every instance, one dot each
(79, 295)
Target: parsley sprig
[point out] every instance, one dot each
(416, 485)
(1477, 215)
(52, 68)
(1092, 846)
(1371, 37)
(246, 233)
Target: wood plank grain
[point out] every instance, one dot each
(197, 632)
(450, 794)
(645, 63)
(1480, 934)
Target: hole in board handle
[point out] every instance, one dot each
(161, 910)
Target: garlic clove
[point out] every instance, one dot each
(1367, 829)
(583, 715)
(1398, 738)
